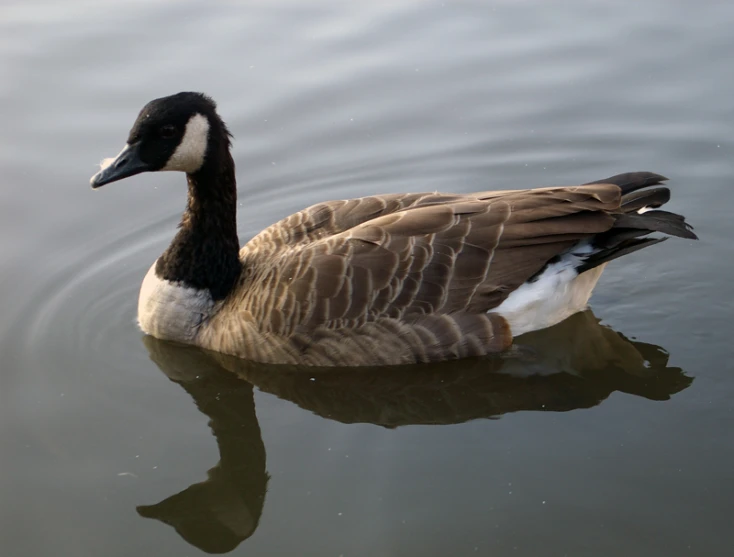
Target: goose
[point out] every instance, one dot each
(379, 280)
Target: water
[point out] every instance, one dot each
(619, 440)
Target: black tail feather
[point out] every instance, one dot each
(623, 248)
(648, 198)
(616, 236)
(632, 181)
(656, 221)
(625, 234)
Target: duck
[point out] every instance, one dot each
(389, 279)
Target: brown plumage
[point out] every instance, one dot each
(391, 279)
(401, 278)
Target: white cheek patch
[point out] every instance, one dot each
(189, 155)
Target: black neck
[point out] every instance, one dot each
(205, 252)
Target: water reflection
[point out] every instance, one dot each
(576, 364)
(217, 514)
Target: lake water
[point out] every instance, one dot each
(610, 434)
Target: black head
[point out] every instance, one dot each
(179, 132)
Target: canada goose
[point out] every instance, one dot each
(380, 280)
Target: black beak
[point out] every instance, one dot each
(127, 163)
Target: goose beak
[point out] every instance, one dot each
(127, 163)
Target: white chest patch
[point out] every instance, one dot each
(555, 295)
(189, 155)
(170, 311)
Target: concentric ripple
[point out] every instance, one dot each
(86, 310)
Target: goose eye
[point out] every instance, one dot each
(167, 132)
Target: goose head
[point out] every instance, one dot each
(181, 132)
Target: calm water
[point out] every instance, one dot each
(608, 435)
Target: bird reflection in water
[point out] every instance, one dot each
(576, 364)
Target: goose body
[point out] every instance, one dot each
(381, 280)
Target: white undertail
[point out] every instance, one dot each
(557, 293)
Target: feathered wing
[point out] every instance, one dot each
(413, 277)
(333, 217)
(420, 255)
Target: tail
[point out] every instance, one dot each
(639, 216)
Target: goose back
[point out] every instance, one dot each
(399, 278)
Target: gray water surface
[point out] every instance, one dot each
(610, 434)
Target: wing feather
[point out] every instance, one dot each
(346, 263)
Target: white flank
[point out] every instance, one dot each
(555, 295)
(642, 210)
(189, 155)
(170, 311)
